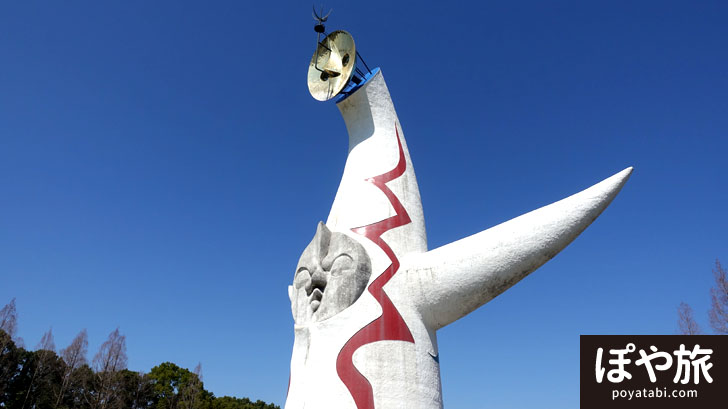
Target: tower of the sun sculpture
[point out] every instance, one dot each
(367, 295)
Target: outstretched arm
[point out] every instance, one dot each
(451, 281)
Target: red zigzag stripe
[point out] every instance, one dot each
(389, 326)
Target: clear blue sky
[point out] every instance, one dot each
(162, 166)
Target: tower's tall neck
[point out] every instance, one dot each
(373, 150)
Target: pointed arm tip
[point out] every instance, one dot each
(453, 280)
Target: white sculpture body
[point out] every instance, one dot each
(368, 297)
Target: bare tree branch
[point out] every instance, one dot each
(8, 322)
(74, 356)
(189, 392)
(45, 348)
(718, 313)
(46, 342)
(9, 318)
(107, 363)
(685, 321)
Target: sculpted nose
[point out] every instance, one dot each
(318, 280)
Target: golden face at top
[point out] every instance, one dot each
(332, 65)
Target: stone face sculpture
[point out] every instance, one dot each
(367, 295)
(332, 273)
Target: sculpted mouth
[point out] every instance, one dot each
(316, 296)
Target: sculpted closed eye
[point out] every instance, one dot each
(341, 264)
(303, 276)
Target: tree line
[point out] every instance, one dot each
(718, 313)
(46, 379)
